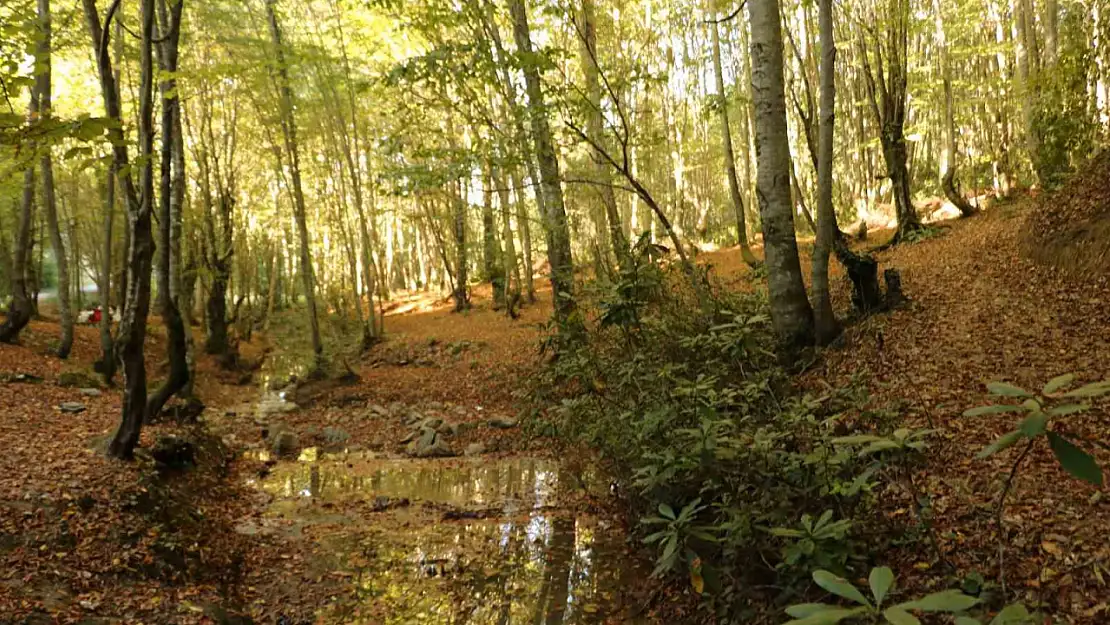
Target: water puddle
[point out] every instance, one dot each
(480, 541)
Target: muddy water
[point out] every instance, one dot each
(479, 541)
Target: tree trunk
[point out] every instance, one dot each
(790, 311)
(555, 217)
(610, 219)
(49, 199)
(511, 267)
(132, 332)
(172, 195)
(458, 222)
(948, 175)
(289, 132)
(107, 363)
(730, 157)
(826, 327)
(21, 310)
(491, 249)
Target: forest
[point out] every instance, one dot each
(554, 311)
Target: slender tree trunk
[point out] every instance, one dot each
(21, 310)
(610, 219)
(132, 332)
(555, 217)
(107, 363)
(458, 220)
(730, 157)
(948, 175)
(289, 132)
(790, 310)
(491, 248)
(49, 199)
(172, 195)
(826, 326)
(510, 267)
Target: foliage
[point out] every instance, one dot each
(1044, 418)
(880, 582)
(727, 463)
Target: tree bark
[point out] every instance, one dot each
(132, 332)
(948, 175)
(107, 363)
(555, 217)
(826, 326)
(730, 156)
(610, 219)
(21, 310)
(49, 198)
(172, 195)
(289, 132)
(491, 248)
(458, 222)
(791, 314)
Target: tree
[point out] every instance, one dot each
(555, 216)
(948, 168)
(790, 310)
(172, 196)
(49, 197)
(610, 217)
(139, 201)
(826, 326)
(21, 309)
(726, 142)
(886, 93)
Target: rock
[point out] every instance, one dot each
(475, 449)
(502, 423)
(77, 379)
(379, 410)
(284, 443)
(430, 445)
(71, 407)
(173, 452)
(274, 404)
(91, 392)
(464, 427)
(410, 437)
(448, 429)
(21, 378)
(432, 423)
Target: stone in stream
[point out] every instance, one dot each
(502, 423)
(71, 407)
(430, 445)
(283, 442)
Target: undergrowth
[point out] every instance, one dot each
(736, 475)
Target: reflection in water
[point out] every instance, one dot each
(516, 484)
(533, 565)
(545, 570)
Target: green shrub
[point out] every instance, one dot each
(712, 444)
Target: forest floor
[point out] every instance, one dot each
(350, 530)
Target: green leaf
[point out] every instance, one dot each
(1074, 460)
(856, 440)
(967, 620)
(1067, 409)
(802, 610)
(1007, 390)
(898, 616)
(1003, 442)
(1057, 383)
(880, 580)
(827, 617)
(878, 446)
(839, 587)
(1013, 614)
(995, 409)
(666, 511)
(944, 601)
(1034, 425)
(1094, 389)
